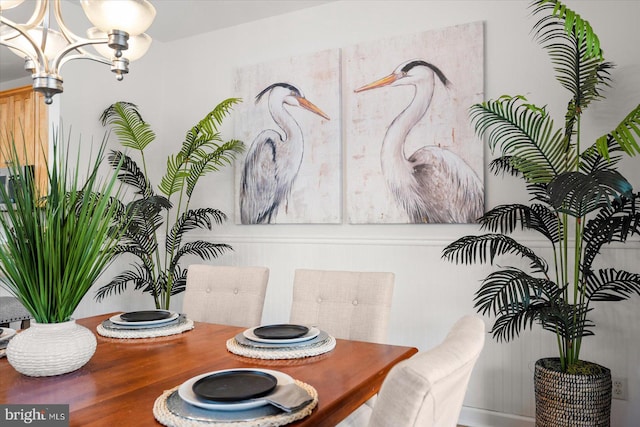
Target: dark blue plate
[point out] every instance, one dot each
(145, 316)
(233, 386)
(280, 332)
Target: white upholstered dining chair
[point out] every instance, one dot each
(226, 295)
(428, 389)
(347, 304)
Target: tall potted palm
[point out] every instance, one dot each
(158, 220)
(56, 242)
(580, 202)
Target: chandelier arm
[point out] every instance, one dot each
(66, 32)
(39, 12)
(58, 61)
(92, 57)
(40, 58)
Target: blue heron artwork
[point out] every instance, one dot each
(290, 123)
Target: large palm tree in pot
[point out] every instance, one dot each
(579, 202)
(156, 222)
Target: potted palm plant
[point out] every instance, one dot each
(580, 202)
(56, 242)
(166, 216)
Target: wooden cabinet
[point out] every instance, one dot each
(23, 118)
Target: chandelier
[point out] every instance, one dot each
(118, 38)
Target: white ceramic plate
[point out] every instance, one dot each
(6, 333)
(313, 332)
(185, 391)
(118, 321)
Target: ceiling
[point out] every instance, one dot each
(193, 17)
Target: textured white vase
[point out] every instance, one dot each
(47, 349)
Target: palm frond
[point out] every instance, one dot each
(224, 155)
(138, 276)
(487, 247)
(592, 159)
(131, 129)
(179, 280)
(173, 180)
(130, 173)
(573, 46)
(524, 134)
(517, 299)
(613, 223)
(202, 218)
(574, 49)
(623, 134)
(201, 152)
(506, 218)
(577, 193)
(144, 216)
(202, 249)
(502, 165)
(571, 24)
(568, 321)
(211, 123)
(612, 285)
(510, 324)
(503, 290)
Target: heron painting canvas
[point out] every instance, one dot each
(290, 122)
(412, 156)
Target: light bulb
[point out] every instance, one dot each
(132, 16)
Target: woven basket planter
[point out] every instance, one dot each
(564, 400)
(48, 349)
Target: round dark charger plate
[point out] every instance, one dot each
(280, 332)
(231, 386)
(145, 315)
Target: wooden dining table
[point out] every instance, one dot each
(121, 382)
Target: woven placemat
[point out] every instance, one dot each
(298, 352)
(162, 331)
(169, 419)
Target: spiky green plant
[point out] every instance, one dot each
(166, 217)
(55, 246)
(580, 201)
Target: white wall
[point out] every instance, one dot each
(178, 82)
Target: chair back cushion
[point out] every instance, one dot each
(428, 389)
(226, 295)
(347, 304)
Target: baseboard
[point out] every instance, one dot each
(473, 417)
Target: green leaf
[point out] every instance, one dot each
(131, 129)
(612, 285)
(625, 135)
(57, 246)
(130, 173)
(487, 247)
(202, 218)
(577, 193)
(524, 135)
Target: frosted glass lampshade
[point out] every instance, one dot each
(132, 16)
(8, 4)
(55, 42)
(138, 45)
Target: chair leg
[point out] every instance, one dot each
(4, 325)
(25, 323)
